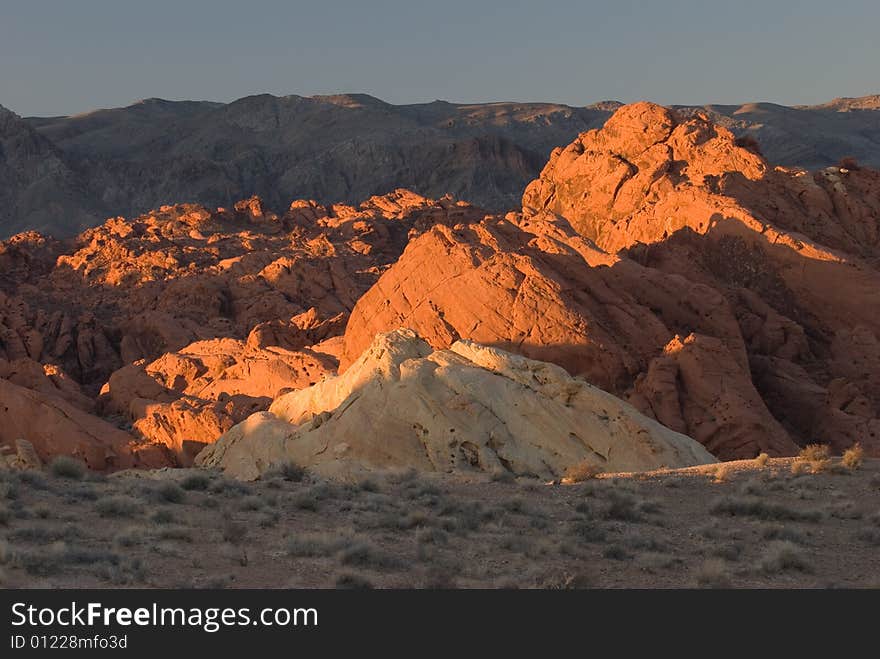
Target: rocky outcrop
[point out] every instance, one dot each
(693, 252)
(468, 408)
(55, 427)
(187, 399)
(537, 288)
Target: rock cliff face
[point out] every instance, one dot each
(701, 284)
(468, 408)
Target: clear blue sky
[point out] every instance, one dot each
(69, 56)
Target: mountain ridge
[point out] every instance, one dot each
(348, 147)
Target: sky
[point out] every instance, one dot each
(69, 56)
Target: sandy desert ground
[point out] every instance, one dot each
(741, 524)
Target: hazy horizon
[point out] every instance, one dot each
(71, 58)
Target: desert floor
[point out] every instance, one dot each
(741, 524)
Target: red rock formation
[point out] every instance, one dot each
(770, 273)
(196, 318)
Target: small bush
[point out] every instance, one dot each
(587, 531)
(33, 479)
(233, 532)
(753, 507)
(198, 482)
(162, 516)
(130, 537)
(798, 467)
(315, 544)
(175, 533)
(503, 476)
(252, 503)
(364, 554)
(117, 506)
(850, 163)
(170, 492)
(622, 506)
(762, 459)
(289, 471)
(818, 456)
(783, 556)
(784, 533)
(580, 472)
(853, 456)
(566, 581)
(65, 466)
(349, 581)
(713, 574)
(616, 553)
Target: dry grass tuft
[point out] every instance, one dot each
(761, 460)
(782, 556)
(582, 471)
(713, 574)
(817, 456)
(853, 456)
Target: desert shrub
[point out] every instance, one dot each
(117, 506)
(440, 577)
(9, 490)
(175, 533)
(233, 532)
(713, 574)
(762, 459)
(818, 456)
(723, 472)
(567, 581)
(781, 556)
(289, 471)
(799, 467)
(65, 466)
(198, 482)
(33, 479)
(364, 554)
(162, 516)
(89, 555)
(587, 531)
(784, 533)
(305, 501)
(350, 581)
(503, 476)
(251, 503)
(170, 492)
(580, 472)
(729, 552)
(616, 553)
(753, 507)
(853, 456)
(850, 163)
(45, 534)
(432, 536)
(368, 485)
(622, 506)
(869, 534)
(268, 519)
(130, 537)
(316, 544)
